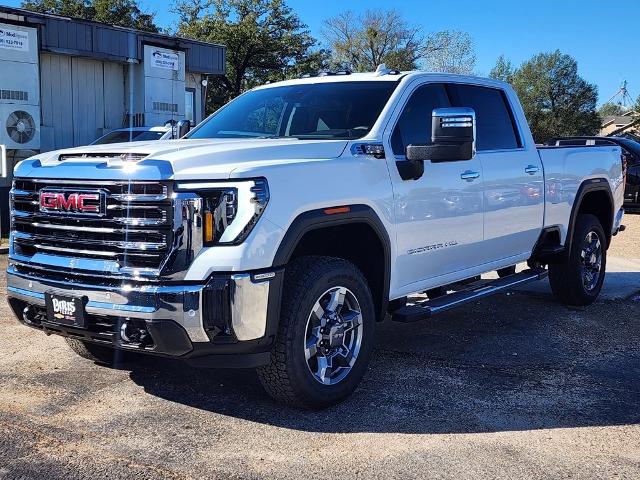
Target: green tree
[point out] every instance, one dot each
(555, 99)
(124, 13)
(503, 70)
(265, 40)
(361, 42)
(611, 108)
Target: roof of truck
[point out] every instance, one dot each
(384, 76)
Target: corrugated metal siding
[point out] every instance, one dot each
(106, 42)
(67, 35)
(114, 95)
(81, 99)
(111, 42)
(55, 100)
(88, 100)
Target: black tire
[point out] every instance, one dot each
(97, 353)
(567, 279)
(288, 377)
(506, 271)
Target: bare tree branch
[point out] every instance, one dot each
(363, 41)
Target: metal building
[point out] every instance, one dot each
(64, 82)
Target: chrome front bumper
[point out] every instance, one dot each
(248, 301)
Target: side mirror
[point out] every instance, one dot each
(181, 128)
(453, 137)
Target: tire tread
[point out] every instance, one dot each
(300, 276)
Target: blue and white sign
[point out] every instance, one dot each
(14, 39)
(164, 59)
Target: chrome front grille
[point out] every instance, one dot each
(135, 232)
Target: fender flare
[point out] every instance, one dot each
(319, 218)
(586, 187)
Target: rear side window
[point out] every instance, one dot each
(414, 124)
(495, 129)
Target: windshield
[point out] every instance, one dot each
(120, 136)
(336, 110)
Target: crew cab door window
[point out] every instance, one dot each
(414, 125)
(495, 128)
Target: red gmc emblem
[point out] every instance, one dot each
(80, 202)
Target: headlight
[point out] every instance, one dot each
(230, 210)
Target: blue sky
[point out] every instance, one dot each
(603, 36)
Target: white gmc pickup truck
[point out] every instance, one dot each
(278, 233)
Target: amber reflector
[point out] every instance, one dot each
(208, 227)
(333, 211)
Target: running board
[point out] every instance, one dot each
(427, 308)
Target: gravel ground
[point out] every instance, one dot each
(515, 386)
(627, 243)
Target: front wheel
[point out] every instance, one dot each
(578, 281)
(325, 335)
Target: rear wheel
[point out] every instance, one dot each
(325, 334)
(578, 281)
(96, 353)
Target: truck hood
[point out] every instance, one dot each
(176, 159)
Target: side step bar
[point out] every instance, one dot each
(427, 308)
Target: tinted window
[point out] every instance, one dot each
(414, 125)
(494, 123)
(344, 110)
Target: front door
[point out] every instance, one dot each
(439, 216)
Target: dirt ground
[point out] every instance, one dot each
(515, 386)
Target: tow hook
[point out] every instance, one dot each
(134, 335)
(29, 314)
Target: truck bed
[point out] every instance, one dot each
(566, 167)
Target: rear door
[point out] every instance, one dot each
(512, 173)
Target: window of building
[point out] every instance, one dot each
(189, 105)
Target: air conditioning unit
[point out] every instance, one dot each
(19, 88)
(20, 126)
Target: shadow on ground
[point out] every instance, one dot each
(618, 285)
(513, 362)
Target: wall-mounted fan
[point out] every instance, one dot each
(21, 127)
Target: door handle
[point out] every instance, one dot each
(469, 175)
(531, 169)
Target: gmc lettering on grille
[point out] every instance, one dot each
(75, 202)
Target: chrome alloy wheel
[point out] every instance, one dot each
(591, 258)
(333, 335)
